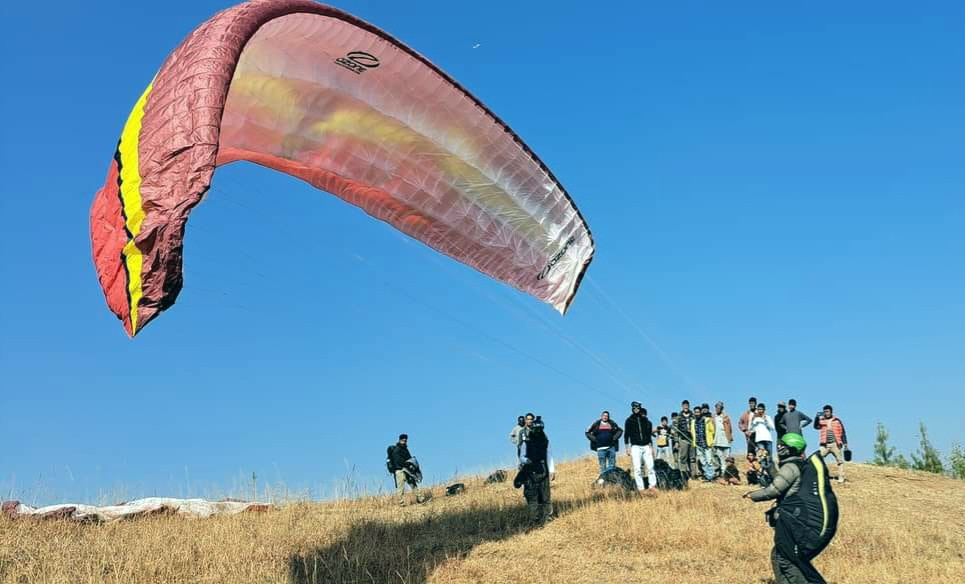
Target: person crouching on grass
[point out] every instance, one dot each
(731, 475)
(754, 469)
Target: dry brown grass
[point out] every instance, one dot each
(896, 526)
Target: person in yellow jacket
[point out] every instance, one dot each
(702, 430)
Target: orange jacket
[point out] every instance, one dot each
(837, 428)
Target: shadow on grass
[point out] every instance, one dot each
(407, 553)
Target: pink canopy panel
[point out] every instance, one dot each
(313, 92)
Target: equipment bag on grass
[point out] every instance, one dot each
(668, 479)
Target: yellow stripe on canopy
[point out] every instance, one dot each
(130, 188)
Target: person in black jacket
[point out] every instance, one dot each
(637, 435)
(779, 420)
(686, 450)
(399, 459)
(536, 471)
(604, 436)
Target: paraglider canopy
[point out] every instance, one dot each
(316, 93)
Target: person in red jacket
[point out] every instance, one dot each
(744, 424)
(832, 437)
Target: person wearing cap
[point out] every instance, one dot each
(744, 423)
(832, 437)
(723, 436)
(731, 475)
(536, 471)
(779, 419)
(761, 427)
(794, 421)
(638, 437)
(399, 457)
(604, 436)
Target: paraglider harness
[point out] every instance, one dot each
(806, 521)
(668, 479)
(413, 474)
(618, 477)
(533, 474)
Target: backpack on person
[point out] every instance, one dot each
(807, 520)
(668, 479)
(388, 459)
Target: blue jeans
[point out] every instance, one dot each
(607, 458)
(707, 461)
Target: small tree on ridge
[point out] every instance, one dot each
(885, 454)
(928, 458)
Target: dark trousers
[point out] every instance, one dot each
(686, 458)
(788, 572)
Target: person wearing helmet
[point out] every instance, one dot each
(805, 516)
(536, 471)
(638, 438)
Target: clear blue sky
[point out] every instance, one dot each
(777, 194)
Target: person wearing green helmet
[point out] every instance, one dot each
(805, 517)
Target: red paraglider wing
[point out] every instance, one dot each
(316, 93)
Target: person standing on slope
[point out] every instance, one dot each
(604, 436)
(794, 421)
(686, 447)
(638, 438)
(761, 427)
(723, 436)
(744, 424)
(516, 434)
(536, 471)
(832, 438)
(399, 459)
(779, 420)
(702, 427)
(805, 517)
(664, 441)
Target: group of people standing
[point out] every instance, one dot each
(698, 444)
(699, 441)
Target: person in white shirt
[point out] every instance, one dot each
(761, 428)
(516, 434)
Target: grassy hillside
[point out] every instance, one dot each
(896, 526)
